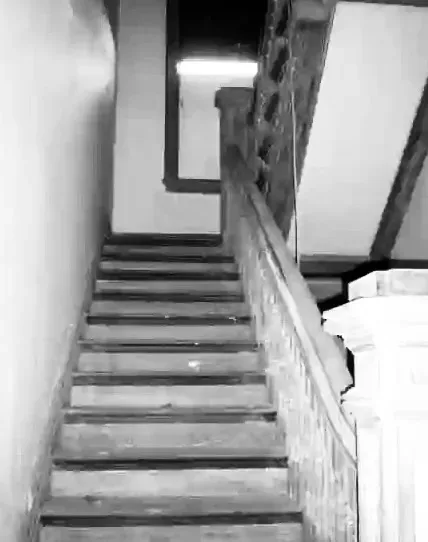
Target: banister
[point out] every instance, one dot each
(306, 370)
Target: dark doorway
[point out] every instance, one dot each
(220, 26)
(208, 28)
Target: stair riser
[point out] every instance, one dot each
(165, 251)
(176, 267)
(177, 286)
(165, 239)
(141, 308)
(203, 483)
(195, 333)
(198, 363)
(132, 440)
(166, 396)
(210, 533)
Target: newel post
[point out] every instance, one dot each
(233, 104)
(385, 324)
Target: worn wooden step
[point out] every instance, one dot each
(175, 455)
(169, 463)
(140, 396)
(163, 255)
(276, 531)
(178, 362)
(179, 252)
(279, 531)
(259, 480)
(171, 267)
(166, 239)
(204, 287)
(170, 379)
(97, 433)
(236, 518)
(166, 274)
(169, 296)
(167, 309)
(172, 330)
(168, 415)
(230, 509)
(163, 347)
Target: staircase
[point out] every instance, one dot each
(170, 434)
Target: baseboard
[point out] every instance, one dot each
(60, 397)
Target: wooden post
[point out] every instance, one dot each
(385, 324)
(233, 104)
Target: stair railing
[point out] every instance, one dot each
(305, 367)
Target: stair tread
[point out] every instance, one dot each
(165, 239)
(107, 264)
(170, 379)
(168, 415)
(166, 274)
(173, 510)
(174, 297)
(190, 453)
(168, 346)
(205, 363)
(166, 320)
(114, 253)
(169, 463)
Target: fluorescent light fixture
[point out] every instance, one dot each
(238, 68)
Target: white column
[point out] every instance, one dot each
(385, 324)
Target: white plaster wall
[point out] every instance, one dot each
(56, 73)
(412, 241)
(376, 67)
(199, 144)
(140, 201)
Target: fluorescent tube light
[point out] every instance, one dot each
(243, 68)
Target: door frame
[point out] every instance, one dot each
(171, 179)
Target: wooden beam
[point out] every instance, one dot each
(329, 265)
(412, 161)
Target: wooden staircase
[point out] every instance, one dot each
(170, 434)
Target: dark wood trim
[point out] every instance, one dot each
(170, 415)
(173, 297)
(178, 463)
(154, 256)
(163, 520)
(172, 94)
(328, 266)
(173, 274)
(126, 320)
(191, 186)
(166, 239)
(170, 379)
(164, 347)
(412, 161)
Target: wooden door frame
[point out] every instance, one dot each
(171, 180)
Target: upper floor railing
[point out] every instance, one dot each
(284, 96)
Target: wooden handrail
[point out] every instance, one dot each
(306, 369)
(327, 363)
